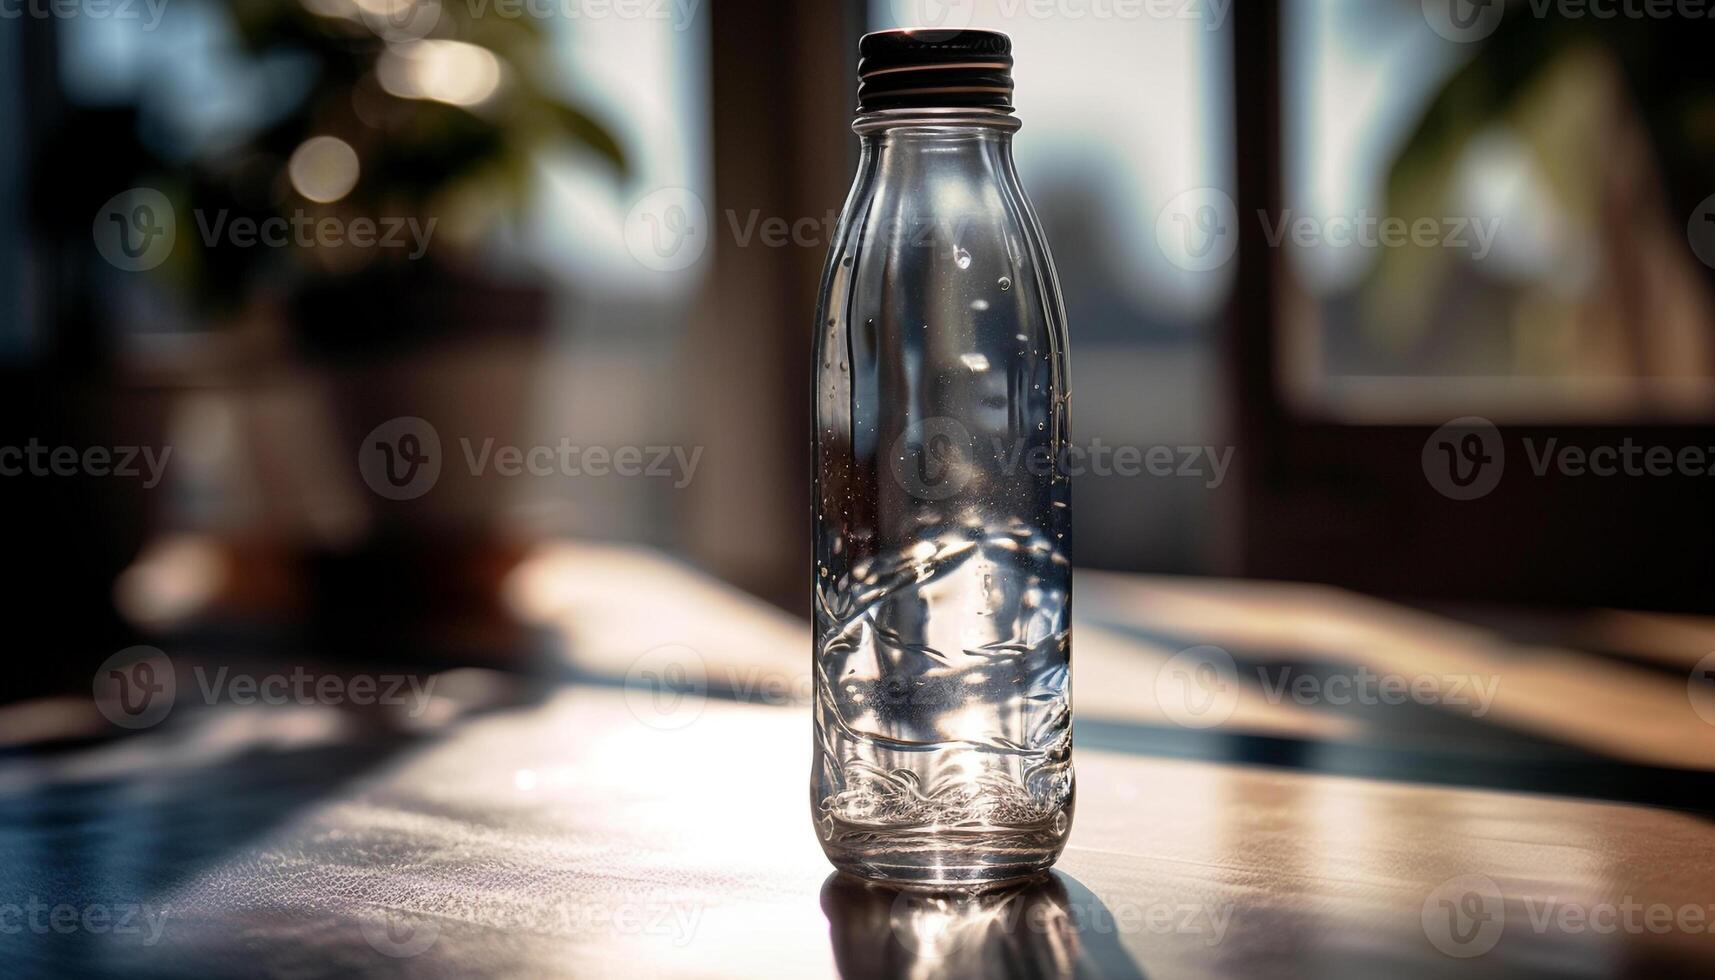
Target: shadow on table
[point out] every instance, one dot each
(119, 824)
(1051, 926)
(1403, 739)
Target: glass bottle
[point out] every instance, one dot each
(943, 717)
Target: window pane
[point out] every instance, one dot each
(1497, 219)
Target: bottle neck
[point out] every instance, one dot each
(937, 145)
(949, 122)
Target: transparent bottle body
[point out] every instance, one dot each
(942, 517)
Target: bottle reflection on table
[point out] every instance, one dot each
(1027, 929)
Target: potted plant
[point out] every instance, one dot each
(329, 269)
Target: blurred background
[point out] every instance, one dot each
(317, 264)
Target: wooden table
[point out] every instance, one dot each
(598, 828)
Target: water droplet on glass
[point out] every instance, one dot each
(1005, 283)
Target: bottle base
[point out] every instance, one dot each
(932, 857)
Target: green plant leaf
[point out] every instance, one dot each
(593, 135)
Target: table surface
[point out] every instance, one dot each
(1556, 827)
